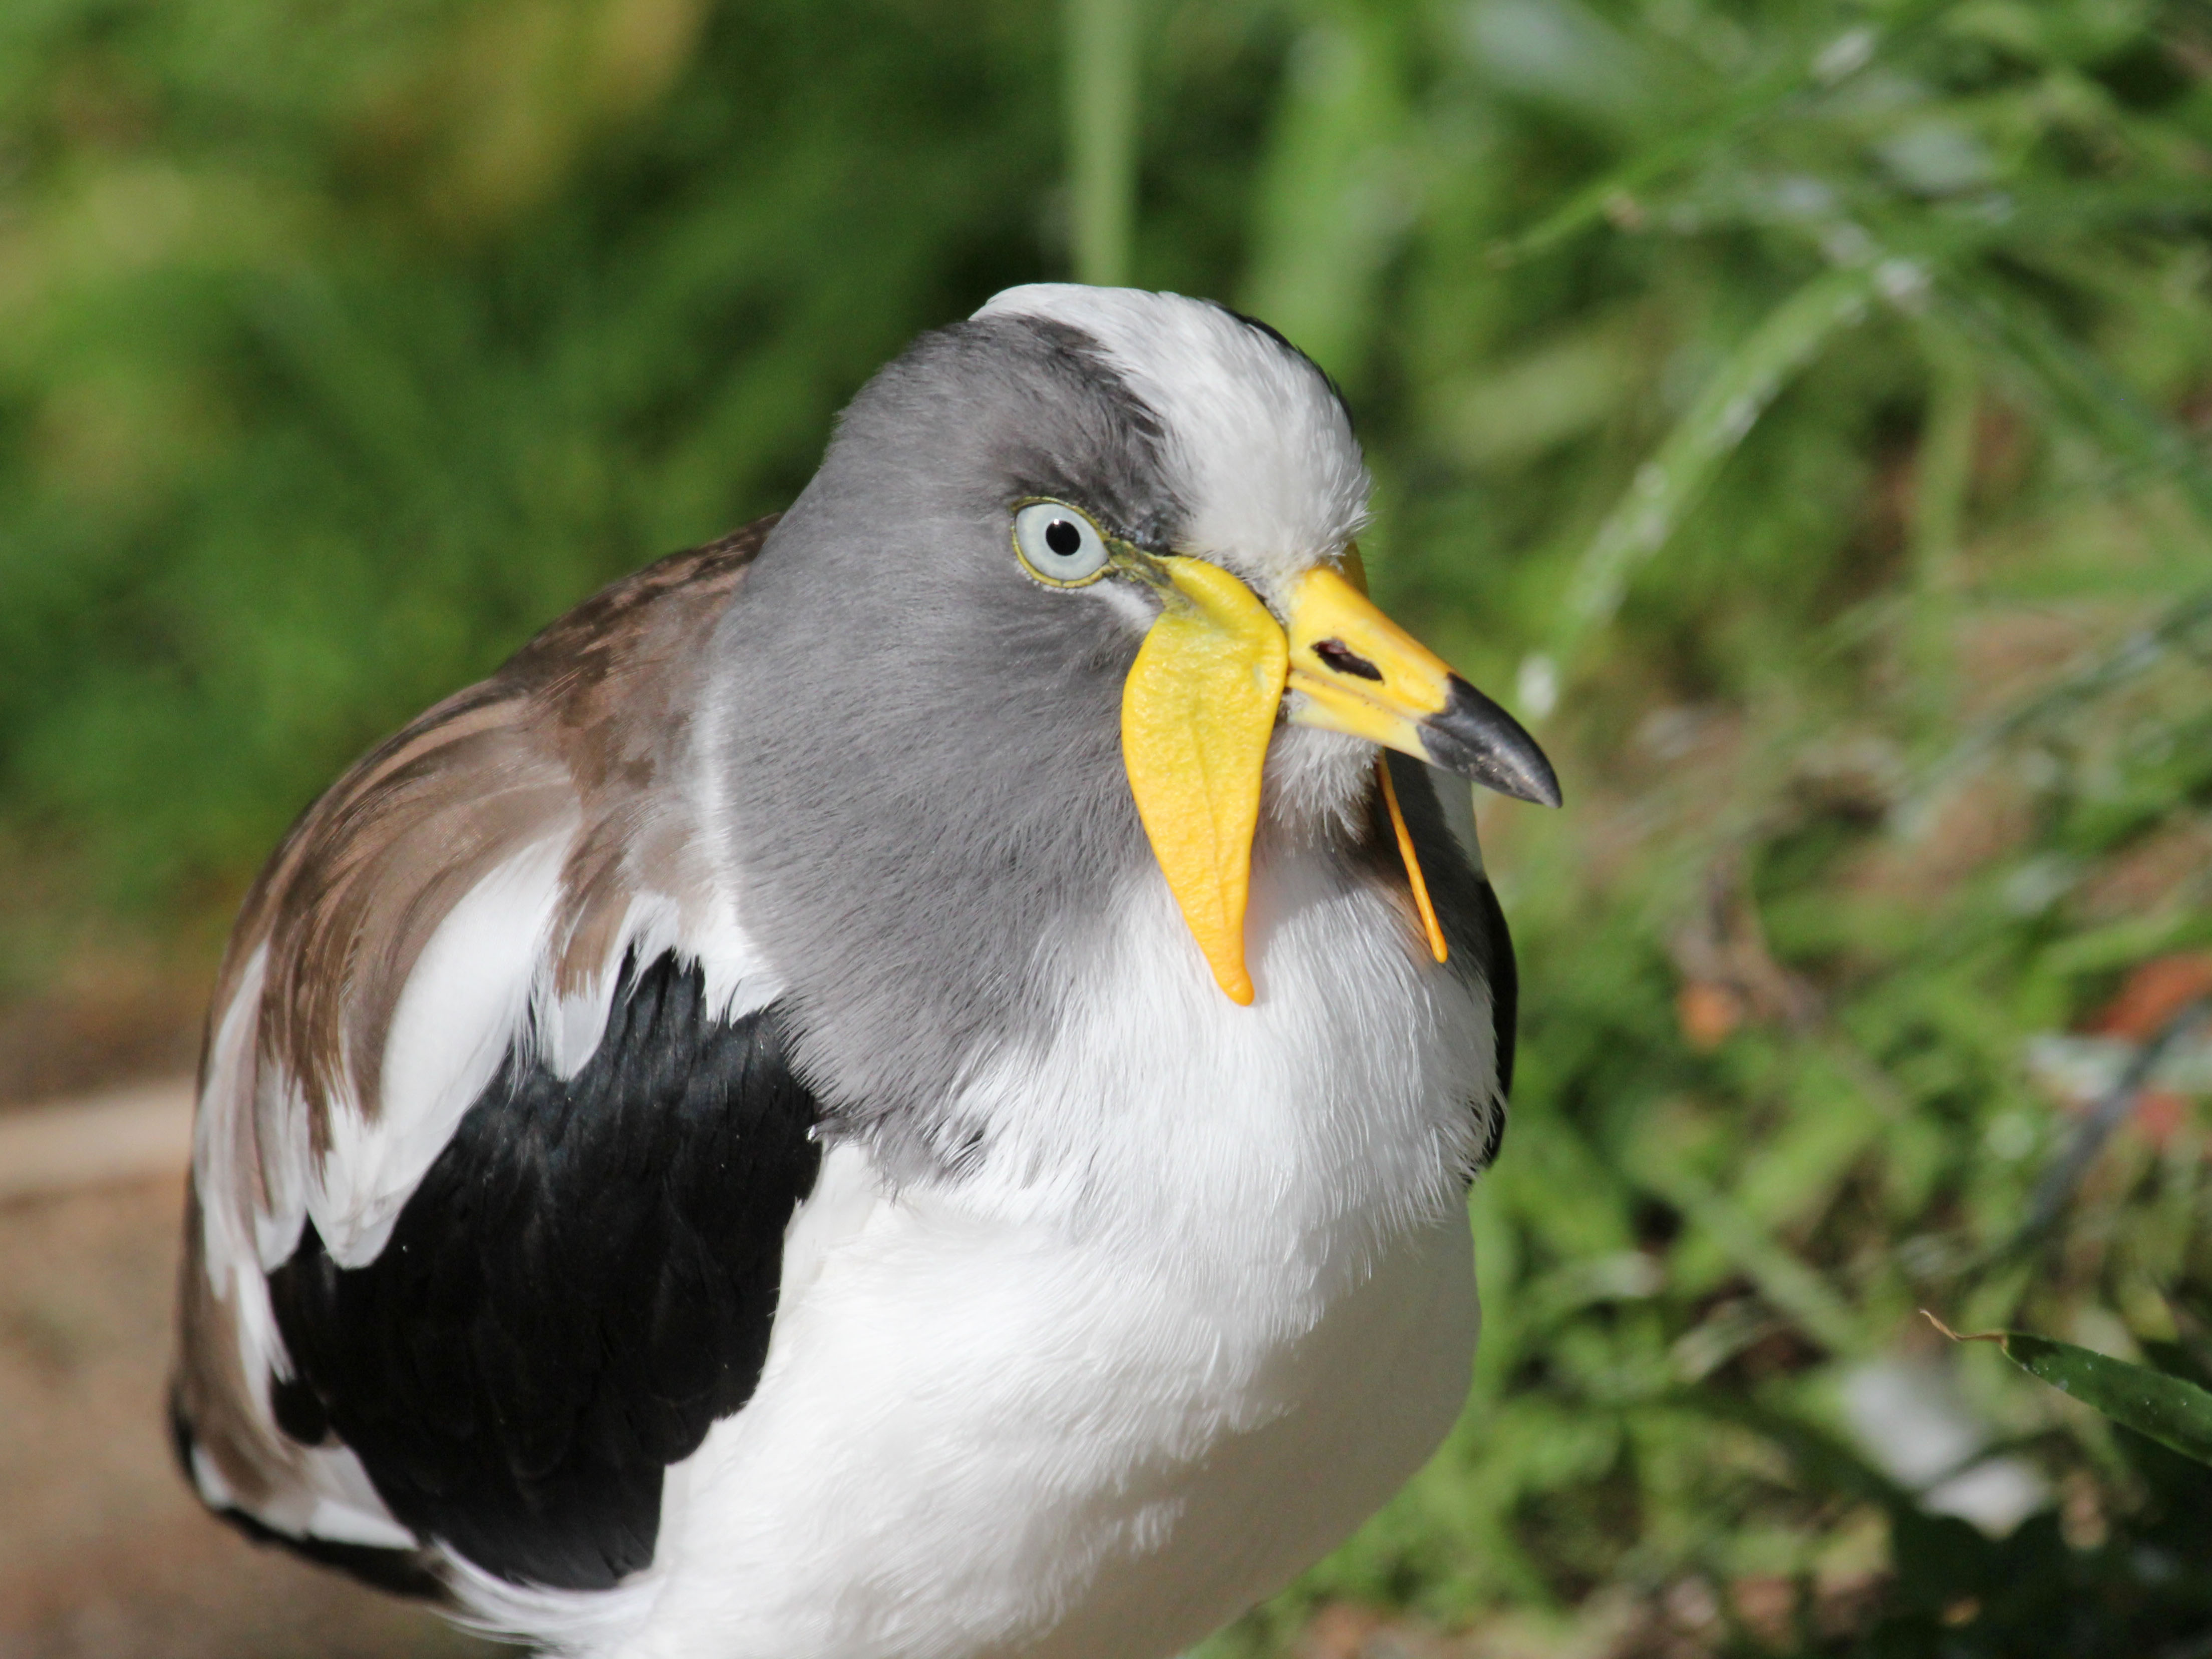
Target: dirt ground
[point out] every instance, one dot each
(104, 1554)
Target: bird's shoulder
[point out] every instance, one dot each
(577, 750)
(497, 1138)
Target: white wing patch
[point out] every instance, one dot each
(459, 1013)
(366, 1008)
(332, 1496)
(481, 987)
(334, 1500)
(567, 1029)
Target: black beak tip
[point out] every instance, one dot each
(1479, 741)
(1546, 790)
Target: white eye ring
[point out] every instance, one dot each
(1058, 544)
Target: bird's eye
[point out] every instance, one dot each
(1058, 544)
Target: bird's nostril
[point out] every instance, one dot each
(1344, 661)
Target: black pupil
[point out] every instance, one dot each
(1063, 538)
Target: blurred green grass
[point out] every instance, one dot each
(1797, 410)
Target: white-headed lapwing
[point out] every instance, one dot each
(902, 1083)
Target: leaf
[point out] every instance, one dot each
(1104, 50)
(1830, 1462)
(1792, 1283)
(1667, 485)
(2176, 1413)
(1616, 189)
(2081, 387)
(1612, 192)
(2170, 1410)
(1335, 194)
(2176, 628)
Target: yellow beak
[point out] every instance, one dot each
(1360, 672)
(1200, 703)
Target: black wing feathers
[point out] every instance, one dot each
(583, 1283)
(1504, 990)
(1474, 922)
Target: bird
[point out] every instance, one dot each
(902, 1084)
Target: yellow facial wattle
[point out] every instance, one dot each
(1196, 712)
(1200, 703)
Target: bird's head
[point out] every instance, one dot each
(1092, 548)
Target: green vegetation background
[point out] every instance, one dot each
(1798, 409)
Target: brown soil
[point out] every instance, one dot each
(55, 1047)
(104, 1554)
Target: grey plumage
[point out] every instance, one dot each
(965, 761)
(968, 699)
